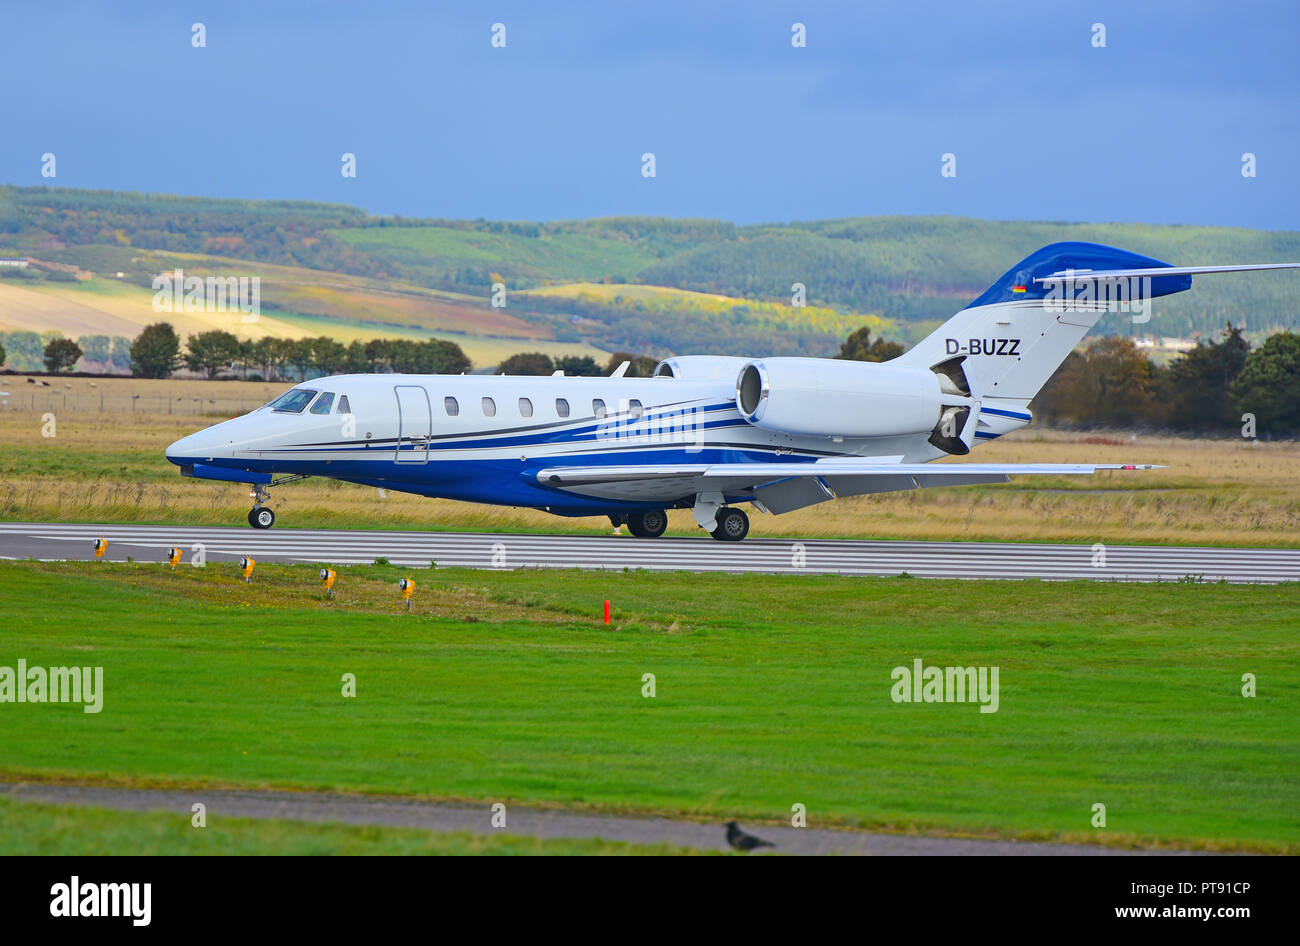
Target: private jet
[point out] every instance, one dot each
(705, 433)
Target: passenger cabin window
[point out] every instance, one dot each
(292, 402)
(344, 408)
(598, 408)
(323, 403)
(635, 409)
(452, 408)
(525, 407)
(489, 407)
(562, 407)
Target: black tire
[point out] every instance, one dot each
(732, 525)
(261, 517)
(648, 525)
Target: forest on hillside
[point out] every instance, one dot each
(906, 269)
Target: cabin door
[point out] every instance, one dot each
(414, 424)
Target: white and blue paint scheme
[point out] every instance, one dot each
(707, 432)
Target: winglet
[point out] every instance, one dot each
(620, 370)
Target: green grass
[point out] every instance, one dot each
(771, 691)
(27, 828)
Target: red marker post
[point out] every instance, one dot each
(606, 610)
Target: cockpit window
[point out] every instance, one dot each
(323, 403)
(292, 402)
(344, 406)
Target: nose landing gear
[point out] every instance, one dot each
(261, 517)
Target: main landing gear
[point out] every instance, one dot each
(730, 524)
(647, 525)
(733, 525)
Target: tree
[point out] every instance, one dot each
(209, 352)
(1268, 384)
(328, 356)
(578, 366)
(641, 366)
(121, 357)
(25, 350)
(357, 361)
(2, 355)
(156, 351)
(1194, 389)
(96, 348)
(860, 347)
(1109, 384)
(298, 355)
(535, 363)
(61, 354)
(436, 356)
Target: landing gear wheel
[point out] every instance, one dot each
(648, 525)
(733, 525)
(260, 517)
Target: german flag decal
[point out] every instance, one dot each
(1017, 288)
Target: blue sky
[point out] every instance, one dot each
(744, 126)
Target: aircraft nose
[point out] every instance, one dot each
(209, 444)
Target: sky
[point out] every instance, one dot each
(744, 126)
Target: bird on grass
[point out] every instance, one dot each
(742, 841)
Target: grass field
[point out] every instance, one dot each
(770, 692)
(107, 465)
(65, 830)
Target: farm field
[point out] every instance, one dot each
(768, 692)
(106, 464)
(295, 303)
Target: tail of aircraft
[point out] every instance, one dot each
(1008, 342)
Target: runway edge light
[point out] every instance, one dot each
(100, 546)
(246, 566)
(327, 576)
(173, 557)
(407, 587)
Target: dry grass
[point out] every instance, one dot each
(109, 466)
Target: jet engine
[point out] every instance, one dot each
(699, 367)
(827, 397)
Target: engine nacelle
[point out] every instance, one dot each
(700, 367)
(826, 397)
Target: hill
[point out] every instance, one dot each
(354, 272)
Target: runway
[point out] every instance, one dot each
(62, 541)
(543, 823)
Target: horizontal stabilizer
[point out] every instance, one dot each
(1082, 274)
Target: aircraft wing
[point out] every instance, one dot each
(782, 487)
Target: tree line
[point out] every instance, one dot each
(1222, 385)
(157, 352)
